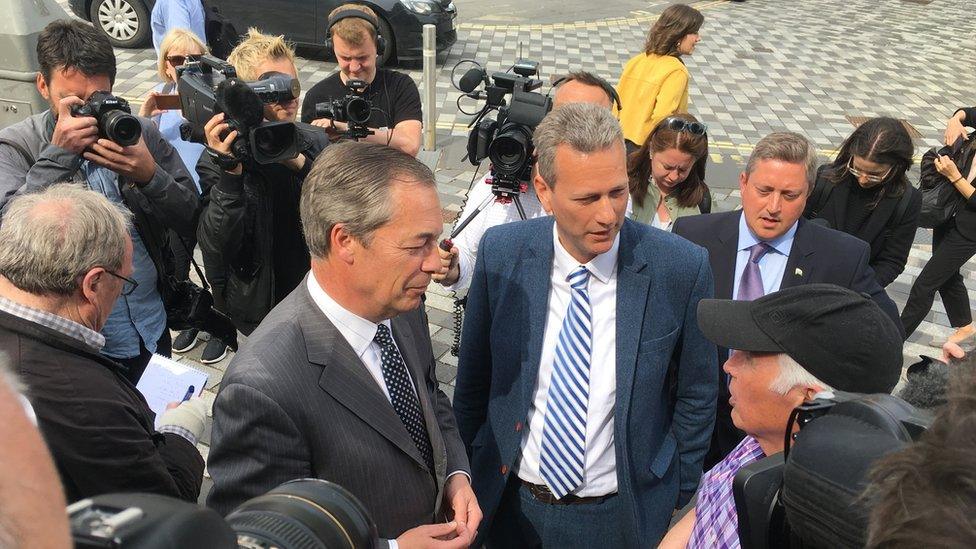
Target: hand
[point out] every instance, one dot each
(213, 130)
(951, 350)
(955, 129)
(334, 129)
(947, 168)
(190, 415)
(295, 164)
(149, 107)
(449, 271)
(449, 535)
(133, 162)
(463, 504)
(74, 133)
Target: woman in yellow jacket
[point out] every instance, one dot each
(654, 84)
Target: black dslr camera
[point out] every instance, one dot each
(306, 514)
(210, 86)
(115, 121)
(810, 495)
(353, 109)
(507, 140)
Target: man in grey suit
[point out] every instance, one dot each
(322, 389)
(585, 391)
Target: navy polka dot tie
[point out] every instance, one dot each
(402, 394)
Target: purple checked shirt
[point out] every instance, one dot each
(716, 524)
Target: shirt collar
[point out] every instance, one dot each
(781, 244)
(60, 324)
(603, 266)
(358, 331)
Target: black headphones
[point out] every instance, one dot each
(612, 93)
(355, 14)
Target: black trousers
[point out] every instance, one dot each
(134, 366)
(950, 251)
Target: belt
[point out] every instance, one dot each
(542, 493)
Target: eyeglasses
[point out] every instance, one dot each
(128, 285)
(178, 60)
(869, 177)
(682, 125)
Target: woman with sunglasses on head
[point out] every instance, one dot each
(865, 192)
(654, 83)
(667, 174)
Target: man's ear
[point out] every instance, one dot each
(743, 181)
(42, 86)
(92, 282)
(343, 244)
(543, 191)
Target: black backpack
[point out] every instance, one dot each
(222, 36)
(940, 199)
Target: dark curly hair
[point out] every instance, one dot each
(71, 44)
(881, 140)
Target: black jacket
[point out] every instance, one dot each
(818, 255)
(237, 233)
(889, 229)
(97, 425)
(965, 218)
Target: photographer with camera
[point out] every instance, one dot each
(65, 258)
(395, 113)
(250, 232)
(458, 262)
(790, 346)
(89, 136)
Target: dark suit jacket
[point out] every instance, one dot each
(818, 255)
(890, 238)
(665, 368)
(297, 402)
(97, 425)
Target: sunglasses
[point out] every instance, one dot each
(682, 125)
(178, 60)
(869, 177)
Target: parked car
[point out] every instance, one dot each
(304, 22)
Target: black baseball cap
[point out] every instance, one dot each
(838, 335)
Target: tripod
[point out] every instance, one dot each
(499, 193)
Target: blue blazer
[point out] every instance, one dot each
(666, 369)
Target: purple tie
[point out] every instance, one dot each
(751, 283)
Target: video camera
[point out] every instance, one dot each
(115, 121)
(306, 513)
(810, 494)
(353, 109)
(210, 86)
(507, 140)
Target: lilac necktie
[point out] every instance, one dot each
(751, 283)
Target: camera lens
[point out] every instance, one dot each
(309, 513)
(509, 151)
(273, 141)
(121, 127)
(358, 110)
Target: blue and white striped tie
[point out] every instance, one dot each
(564, 435)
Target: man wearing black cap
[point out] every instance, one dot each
(790, 346)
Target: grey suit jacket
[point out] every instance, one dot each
(297, 402)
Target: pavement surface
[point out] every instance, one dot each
(762, 66)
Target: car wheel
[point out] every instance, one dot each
(389, 56)
(125, 22)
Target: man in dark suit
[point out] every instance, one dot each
(585, 391)
(768, 246)
(337, 382)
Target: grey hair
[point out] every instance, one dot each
(350, 183)
(49, 238)
(585, 127)
(791, 375)
(786, 147)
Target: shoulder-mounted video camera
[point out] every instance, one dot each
(115, 121)
(210, 86)
(506, 140)
(810, 495)
(354, 109)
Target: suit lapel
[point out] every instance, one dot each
(800, 263)
(633, 285)
(838, 199)
(537, 277)
(723, 255)
(346, 379)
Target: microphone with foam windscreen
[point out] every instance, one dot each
(240, 103)
(472, 79)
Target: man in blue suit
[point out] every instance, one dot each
(585, 393)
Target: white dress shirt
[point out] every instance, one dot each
(357, 331)
(496, 213)
(600, 462)
(772, 265)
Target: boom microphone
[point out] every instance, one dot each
(472, 79)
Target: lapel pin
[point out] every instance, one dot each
(798, 272)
